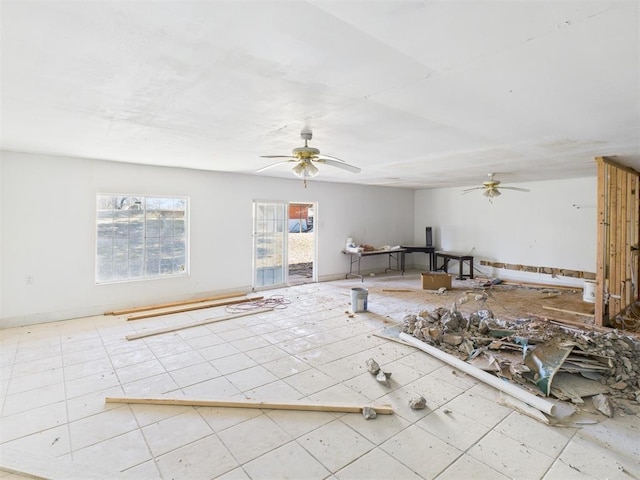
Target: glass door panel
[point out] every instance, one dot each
(269, 244)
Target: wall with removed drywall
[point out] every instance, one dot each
(553, 225)
(48, 231)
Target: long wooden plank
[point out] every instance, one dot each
(613, 241)
(127, 311)
(199, 323)
(283, 405)
(601, 239)
(199, 306)
(33, 464)
(590, 315)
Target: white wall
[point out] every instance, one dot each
(48, 231)
(538, 228)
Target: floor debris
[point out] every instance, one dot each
(369, 413)
(603, 405)
(565, 362)
(372, 366)
(418, 403)
(383, 378)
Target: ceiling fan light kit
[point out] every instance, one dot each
(490, 188)
(305, 157)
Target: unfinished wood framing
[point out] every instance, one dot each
(282, 405)
(553, 271)
(617, 267)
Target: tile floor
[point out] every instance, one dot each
(54, 378)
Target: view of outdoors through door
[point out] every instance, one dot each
(269, 243)
(301, 243)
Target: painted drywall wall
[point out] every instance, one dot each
(48, 230)
(553, 225)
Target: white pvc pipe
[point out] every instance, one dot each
(509, 388)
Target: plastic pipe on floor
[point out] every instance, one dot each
(508, 388)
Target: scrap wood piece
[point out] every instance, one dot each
(127, 311)
(38, 465)
(513, 390)
(568, 323)
(135, 336)
(199, 306)
(573, 312)
(282, 405)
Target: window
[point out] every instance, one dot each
(140, 237)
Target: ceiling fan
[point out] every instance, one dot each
(305, 159)
(490, 188)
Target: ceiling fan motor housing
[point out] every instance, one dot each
(305, 152)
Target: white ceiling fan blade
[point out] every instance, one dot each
(471, 189)
(279, 156)
(329, 157)
(516, 188)
(275, 165)
(339, 164)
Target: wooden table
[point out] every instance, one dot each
(460, 257)
(430, 251)
(396, 254)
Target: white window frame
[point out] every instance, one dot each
(141, 237)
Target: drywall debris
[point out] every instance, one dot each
(383, 378)
(373, 367)
(603, 405)
(369, 413)
(418, 403)
(606, 361)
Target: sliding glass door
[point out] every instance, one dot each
(269, 243)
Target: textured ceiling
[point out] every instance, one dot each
(418, 94)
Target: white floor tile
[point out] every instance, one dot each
(468, 467)
(510, 457)
(102, 426)
(130, 446)
(173, 432)
(286, 366)
(335, 445)
(289, 461)
(453, 428)
(377, 465)
(206, 458)
(421, 451)
(310, 381)
(253, 438)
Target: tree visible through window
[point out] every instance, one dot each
(140, 237)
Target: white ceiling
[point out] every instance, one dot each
(418, 94)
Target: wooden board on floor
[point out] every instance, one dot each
(127, 311)
(281, 405)
(199, 306)
(175, 328)
(36, 465)
(573, 312)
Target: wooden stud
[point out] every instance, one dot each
(127, 311)
(601, 248)
(590, 315)
(283, 405)
(198, 306)
(175, 328)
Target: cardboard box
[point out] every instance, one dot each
(434, 280)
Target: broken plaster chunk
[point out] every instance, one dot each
(383, 377)
(373, 367)
(418, 403)
(451, 339)
(369, 413)
(603, 405)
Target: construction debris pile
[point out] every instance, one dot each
(565, 362)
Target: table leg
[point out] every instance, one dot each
(471, 268)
